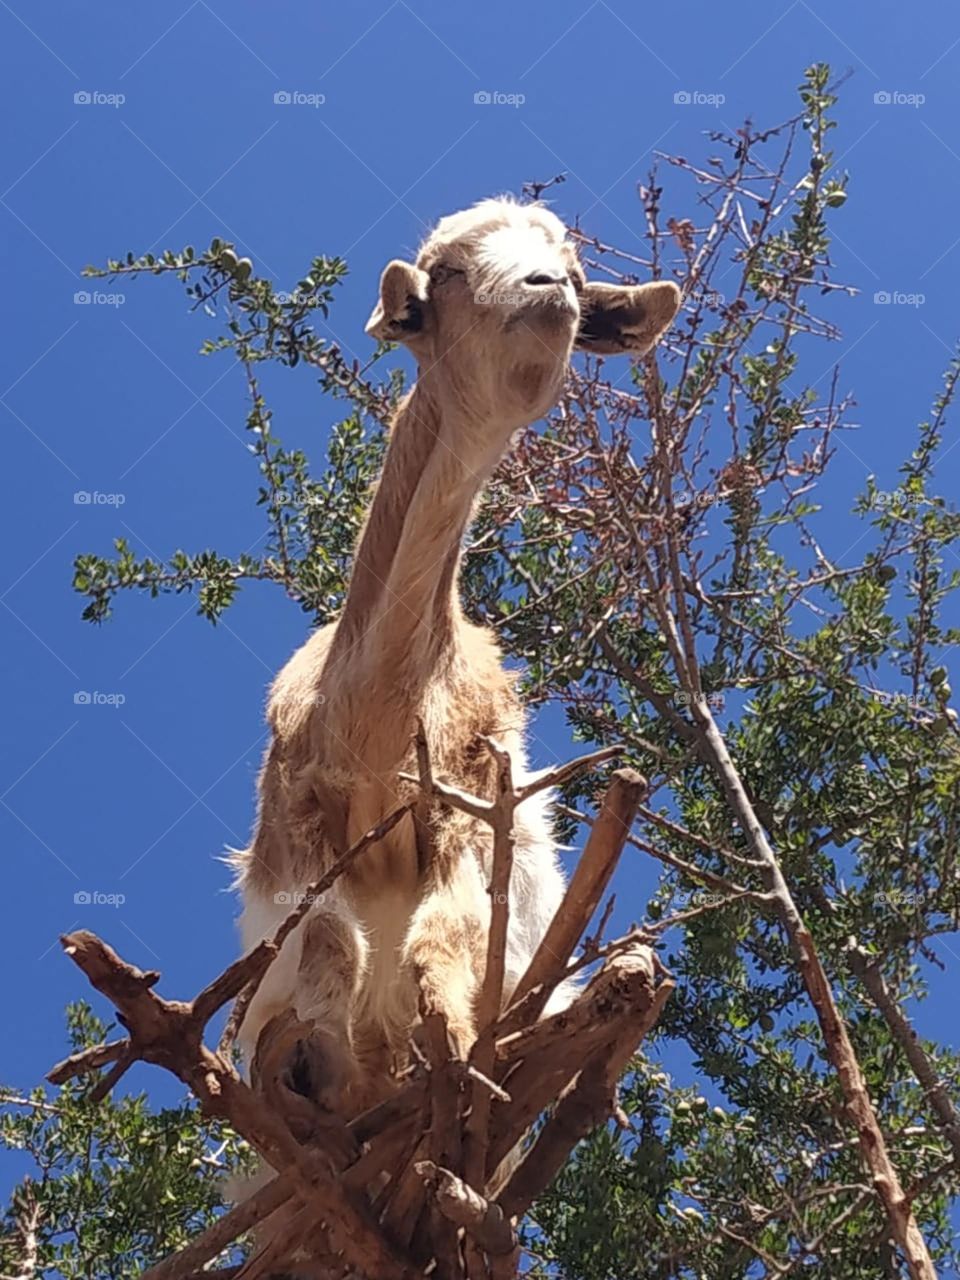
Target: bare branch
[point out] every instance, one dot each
(604, 845)
(867, 969)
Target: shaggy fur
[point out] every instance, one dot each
(492, 310)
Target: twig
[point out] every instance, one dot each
(491, 991)
(119, 1069)
(445, 1133)
(675, 829)
(685, 868)
(562, 773)
(423, 809)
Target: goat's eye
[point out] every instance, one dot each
(443, 272)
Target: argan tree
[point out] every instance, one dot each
(653, 555)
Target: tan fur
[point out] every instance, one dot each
(345, 707)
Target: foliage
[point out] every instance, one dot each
(117, 1185)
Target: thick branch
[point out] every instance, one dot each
(222, 1232)
(625, 997)
(168, 1033)
(484, 1220)
(840, 1051)
(869, 973)
(604, 845)
(87, 1060)
(619, 1006)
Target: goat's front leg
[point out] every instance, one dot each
(298, 1035)
(445, 949)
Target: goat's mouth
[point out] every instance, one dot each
(554, 308)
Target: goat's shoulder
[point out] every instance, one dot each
(295, 691)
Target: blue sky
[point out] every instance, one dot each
(138, 799)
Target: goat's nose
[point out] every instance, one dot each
(545, 277)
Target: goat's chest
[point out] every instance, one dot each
(389, 866)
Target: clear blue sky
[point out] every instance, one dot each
(139, 799)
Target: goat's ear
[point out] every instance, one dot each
(632, 318)
(400, 313)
